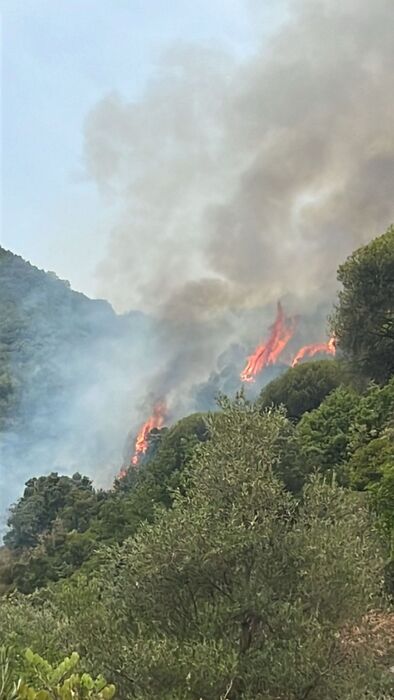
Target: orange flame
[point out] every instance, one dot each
(268, 353)
(311, 350)
(156, 420)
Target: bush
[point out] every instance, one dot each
(303, 388)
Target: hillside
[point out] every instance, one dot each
(42, 322)
(62, 357)
(244, 542)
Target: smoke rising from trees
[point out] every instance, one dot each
(238, 182)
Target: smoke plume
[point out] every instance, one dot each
(238, 182)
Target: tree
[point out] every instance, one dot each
(240, 590)
(341, 428)
(6, 570)
(374, 413)
(45, 499)
(371, 469)
(382, 493)
(155, 480)
(324, 434)
(364, 319)
(369, 462)
(303, 388)
(58, 523)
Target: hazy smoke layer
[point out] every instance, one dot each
(238, 183)
(78, 403)
(72, 372)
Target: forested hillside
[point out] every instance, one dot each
(62, 358)
(42, 323)
(249, 556)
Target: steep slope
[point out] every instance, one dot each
(41, 321)
(64, 358)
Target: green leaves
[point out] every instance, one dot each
(324, 434)
(303, 388)
(240, 585)
(240, 589)
(42, 681)
(364, 320)
(46, 499)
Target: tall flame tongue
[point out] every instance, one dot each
(311, 350)
(156, 420)
(268, 353)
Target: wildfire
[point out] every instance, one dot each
(311, 350)
(156, 420)
(268, 353)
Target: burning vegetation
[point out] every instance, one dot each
(156, 420)
(267, 354)
(315, 349)
(281, 332)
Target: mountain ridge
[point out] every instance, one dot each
(63, 358)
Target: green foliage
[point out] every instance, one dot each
(303, 388)
(337, 435)
(6, 570)
(375, 412)
(324, 434)
(383, 496)
(172, 449)
(59, 522)
(368, 463)
(371, 469)
(137, 496)
(47, 534)
(45, 499)
(353, 435)
(238, 581)
(364, 320)
(8, 688)
(57, 348)
(67, 521)
(42, 322)
(240, 590)
(42, 681)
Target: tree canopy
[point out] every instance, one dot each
(237, 582)
(303, 388)
(46, 499)
(364, 319)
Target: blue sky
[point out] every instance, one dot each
(59, 58)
